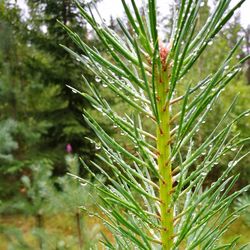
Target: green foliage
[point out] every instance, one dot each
(32, 90)
(39, 115)
(44, 196)
(225, 40)
(38, 187)
(73, 198)
(244, 202)
(157, 196)
(11, 233)
(8, 143)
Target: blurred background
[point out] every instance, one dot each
(42, 132)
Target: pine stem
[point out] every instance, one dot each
(164, 164)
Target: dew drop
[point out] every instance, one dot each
(97, 79)
(210, 43)
(99, 109)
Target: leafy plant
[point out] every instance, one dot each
(35, 189)
(71, 198)
(156, 196)
(38, 188)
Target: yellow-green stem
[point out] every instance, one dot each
(164, 163)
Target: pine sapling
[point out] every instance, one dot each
(155, 195)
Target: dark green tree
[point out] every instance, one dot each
(33, 91)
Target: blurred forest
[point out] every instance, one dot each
(42, 131)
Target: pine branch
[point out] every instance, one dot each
(155, 195)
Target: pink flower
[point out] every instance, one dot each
(68, 148)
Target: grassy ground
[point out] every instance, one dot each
(61, 232)
(239, 228)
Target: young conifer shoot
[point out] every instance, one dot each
(156, 194)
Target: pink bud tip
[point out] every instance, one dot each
(68, 148)
(164, 51)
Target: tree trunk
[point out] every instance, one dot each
(79, 229)
(39, 224)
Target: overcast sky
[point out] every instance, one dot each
(114, 8)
